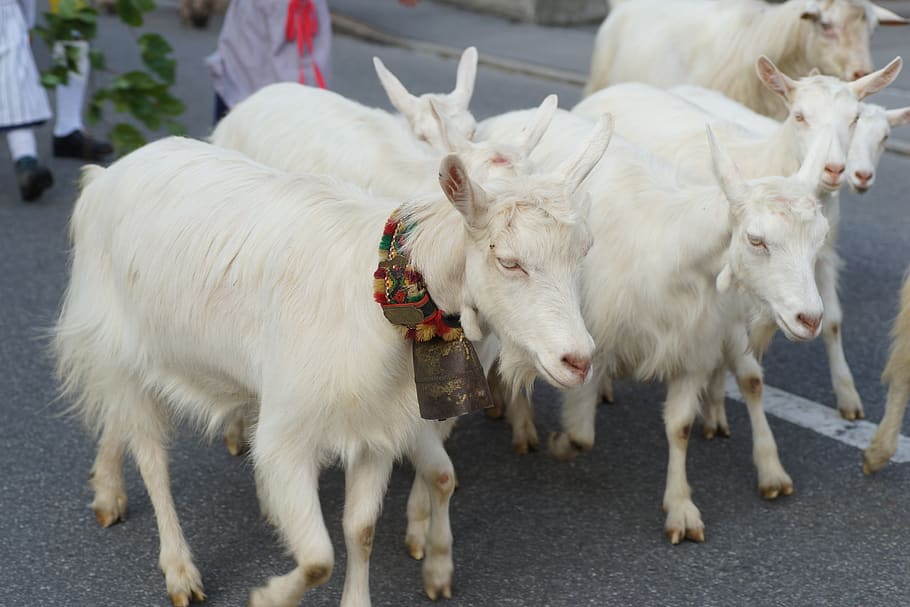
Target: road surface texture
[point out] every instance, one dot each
(528, 530)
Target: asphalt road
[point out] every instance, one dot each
(528, 530)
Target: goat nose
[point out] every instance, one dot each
(859, 74)
(579, 365)
(835, 169)
(864, 176)
(810, 322)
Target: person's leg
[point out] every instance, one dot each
(221, 109)
(33, 177)
(70, 140)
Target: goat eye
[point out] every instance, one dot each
(799, 117)
(510, 264)
(757, 242)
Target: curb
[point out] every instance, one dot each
(355, 28)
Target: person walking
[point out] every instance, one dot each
(70, 138)
(23, 102)
(267, 41)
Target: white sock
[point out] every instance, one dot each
(22, 143)
(70, 96)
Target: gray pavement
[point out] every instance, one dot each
(528, 530)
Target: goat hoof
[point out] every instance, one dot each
(109, 511)
(415, 549)
(683, 522)
(435, 593)
(850, 406)
(437, 572)
(560, 447)
(182, 599)
(525, 444)
(234, 446)
(875, 458)
(184, 584)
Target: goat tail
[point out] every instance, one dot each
(88, 336)
(90, 172)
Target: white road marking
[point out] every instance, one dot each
(819, 418)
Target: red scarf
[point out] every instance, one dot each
(301, 26)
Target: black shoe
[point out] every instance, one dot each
(33, 177)
(79, 145)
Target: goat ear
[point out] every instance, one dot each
(465, 195)
(731, 182)
(814, 163)
(538, 125)
(574, 170)
(724, 279)
(876, 81)
(401, 99)
(451, 137)
(899, 117)
(773, 78)
(811, 11)
(464, 80)
(886, 17)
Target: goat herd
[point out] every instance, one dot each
(231, 283)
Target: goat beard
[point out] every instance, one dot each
(516, 371)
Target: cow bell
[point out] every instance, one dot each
(449, 378)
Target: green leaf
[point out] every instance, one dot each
(146, 6)
(49, 80)
(66, 9)
(154, 43)
(95, 111)
(97, 60)
(71, 53)
(126, 138)
(154, 50)
(170, 105)
(135, 80)
(175, 128)
(130, 12)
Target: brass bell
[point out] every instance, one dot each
(449, 378)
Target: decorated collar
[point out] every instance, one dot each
(401, 292)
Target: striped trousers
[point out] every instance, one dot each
(23, 100)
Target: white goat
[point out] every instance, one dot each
(318, 131)
(428, 522)
(714, 44)
(897, 375)
(199, 285)
(814, 103)
(655, 287)
(869, 136)
(872, 131)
